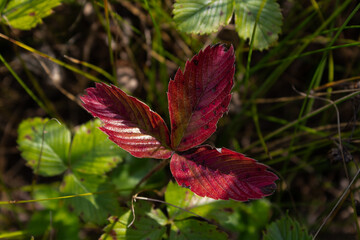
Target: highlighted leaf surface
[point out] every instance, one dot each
(222, 174)
(269, 23)
(202, 16)
(129, 122)
(200, 96)
(26, 14)
(44, 145)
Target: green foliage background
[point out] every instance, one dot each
(295, 107)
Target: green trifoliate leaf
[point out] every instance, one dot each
(202, 16)
(92, 152)
(148, 224)
(286, 229)
(26, 14)
(269, 21)
(98, 205)
(44, 144)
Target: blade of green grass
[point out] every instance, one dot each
(25, 87)
(30, 49)
(108, 32)
(311, 114)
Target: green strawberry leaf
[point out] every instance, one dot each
(98, 205)
(286, 229)
(44, 144)
(202, 16)
(92, 152)
(269, 23)
(244, 220)
(26, 14)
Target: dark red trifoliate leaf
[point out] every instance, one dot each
(200, 96)
(128, 122)
(222, 174)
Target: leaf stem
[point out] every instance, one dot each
(155, 169)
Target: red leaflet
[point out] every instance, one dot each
(129, 122)
(200, 96)
(222, 174)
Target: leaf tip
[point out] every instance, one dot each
(268, 189)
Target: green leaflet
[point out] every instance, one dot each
(94, 207)
(202, 16)
(268, 26)
(286, 229)
(26, 14)
(44, 144)
(247, 220)
(92, 152)
(206, 16)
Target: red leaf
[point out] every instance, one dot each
(200, 96)
(129, 122)
(222, 174)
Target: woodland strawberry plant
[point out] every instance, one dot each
(197, 99)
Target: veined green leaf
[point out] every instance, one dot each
(92, 152)
(44, 144)
(148, 224)
(286, 229)
(202, 16)
(269, 22)
(179, 196)
(246, 220)
(26, 14)
(98, 205)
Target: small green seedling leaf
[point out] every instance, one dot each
(26, 14)
(92, 152)
(202, 16)
(148, 224)
(44, 144)
(286, 229)
(98, 205)
(269, 22)
(194, 229)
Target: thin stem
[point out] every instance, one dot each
(155, 169)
